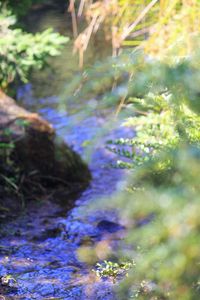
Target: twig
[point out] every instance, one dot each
(122, 101)
(139, 18)
(80, 9)
(71, 9)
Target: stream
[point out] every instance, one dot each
(39, 248)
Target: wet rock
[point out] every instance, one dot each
(96, 291)
(48, 233)
(45, 289)
(5, 250)
(106, 226)
(78, 232)
(3, 271)
(34, 156)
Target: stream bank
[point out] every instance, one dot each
(39, 248)
(33, 161)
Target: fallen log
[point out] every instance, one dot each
(29, 148)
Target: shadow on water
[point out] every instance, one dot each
(39, 248)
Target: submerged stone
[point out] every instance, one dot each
(109, 227)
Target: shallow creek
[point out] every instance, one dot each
(39, 247)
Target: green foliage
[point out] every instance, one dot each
(20, 51)
(20, 7)
(160, 203)
(168, 239)
(109, 269)
(157, 126)
(163, 192)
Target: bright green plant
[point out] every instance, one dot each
(113, 270)
(164, 227)
(159, 102)
(163, 192)
(20, 51)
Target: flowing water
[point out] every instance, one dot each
(39, 249)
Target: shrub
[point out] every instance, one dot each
(20, 51)
(160, 202)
